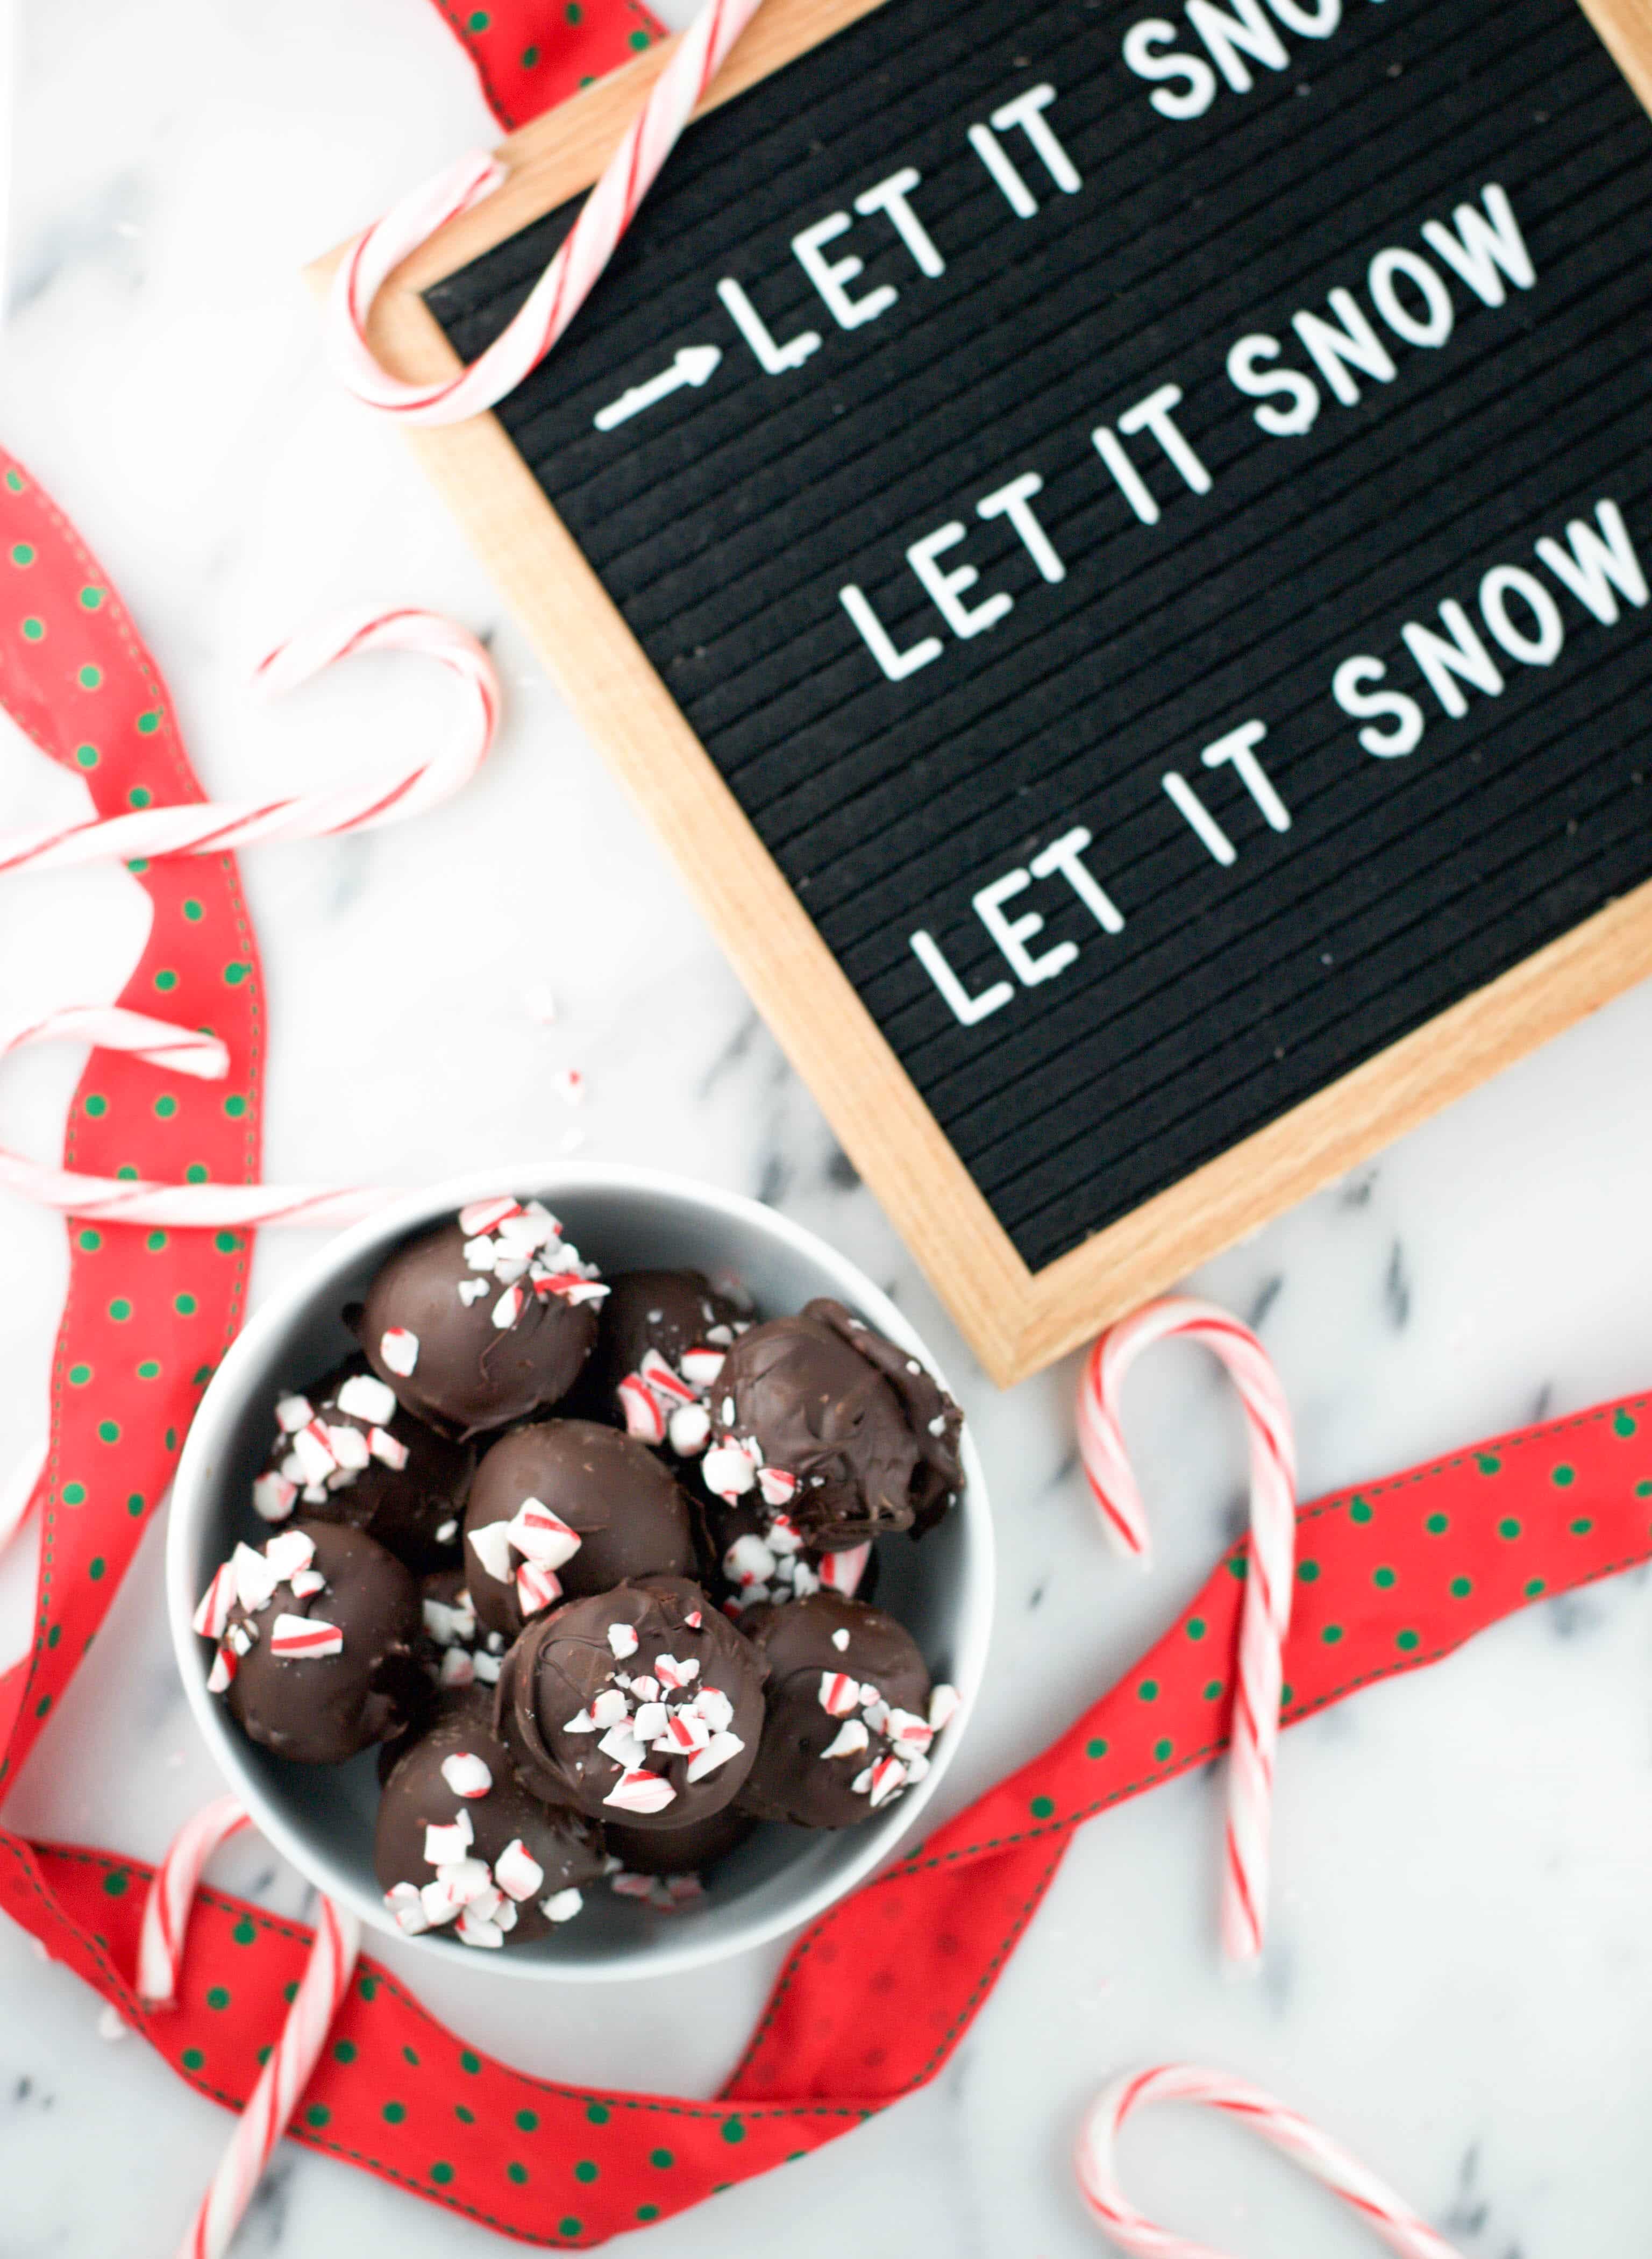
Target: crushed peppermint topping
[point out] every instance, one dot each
(842, 1572)
(445, 1844)
(364, 1396)
(659, 1400)
(898, 1742)
(637, 1790)
(389, 1449)
(273, 1497)
(536, 1588)
(516, 1873)
(407, 1909)
(729, 1472)
(621, 1639)
(307, 1637)
(490, 1542)
(255, 1578)
(400, 1351)
(213, 1615)
(467, 1774)
(520, 1246)
(539, 1534)
(688, 1431)
(562, 1906)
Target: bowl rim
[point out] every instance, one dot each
(193, 1489)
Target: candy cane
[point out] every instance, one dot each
(1266, 1616)
(128, 1200)
(566, 283)
(1386, 2214)
(273, 2100)
(270, 2105)
(212, 828)
(172, 1894)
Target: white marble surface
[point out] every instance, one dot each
(1459, 1980)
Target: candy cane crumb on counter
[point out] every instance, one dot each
(1266, 1613)
(1387, 2215)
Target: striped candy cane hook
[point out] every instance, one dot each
(1265, 1618)
(126, 1200)
(566, 282)
(212, 828)
(172, 1894)
(270, 2105)
(1386, 2214)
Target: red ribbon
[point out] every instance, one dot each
(531, 55)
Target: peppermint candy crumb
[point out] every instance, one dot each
(400, 1351)
(306, 1638)
(640, 1791)
(467, 1774)
(517, 1873)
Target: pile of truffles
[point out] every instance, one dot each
(582, 1558)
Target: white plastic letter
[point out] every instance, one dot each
(829, 276)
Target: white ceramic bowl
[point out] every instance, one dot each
(322, 1817)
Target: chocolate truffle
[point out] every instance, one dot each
(460, 1839)
(642, 1705)
(848, 1715)
(346, 1452)
(566, 1509)
(483, 1320)
(678, 1851)
(834, 1428)
(669, 1328)
(315, 1641)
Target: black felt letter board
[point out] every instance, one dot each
(1455, 495)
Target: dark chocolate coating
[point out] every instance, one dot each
(632, 1519)
(667, 1311)
(563, 1662)
(688, 1850)
(415, 1797)
(321, 1709)
(870, 1433)
(471, 1376)
(401, 1508)
(791, 1779)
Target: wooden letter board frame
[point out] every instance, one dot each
(1018, 1320)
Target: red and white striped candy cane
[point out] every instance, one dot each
(270, 2105)
(1386, 2214)
(212, 828)
(172, 1894)
(1266, 1616)
(126, 1200)
(566, 283)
